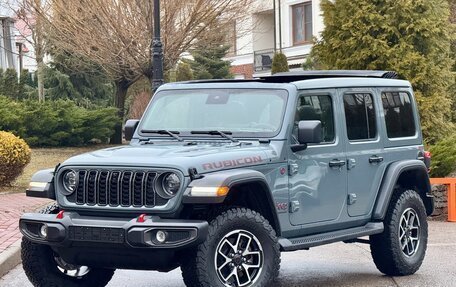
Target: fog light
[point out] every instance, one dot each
(161, 236)
(43, 230)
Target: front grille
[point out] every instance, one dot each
(117, 188)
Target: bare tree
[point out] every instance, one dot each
(33, 31)
(116, 34)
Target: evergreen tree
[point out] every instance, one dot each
(184, 72)
(410, 37)
(453, 53)
(279, 63)
(1, 82)
(82, 81)
(21, 90)
(31, 80)
(208, 61)
(10, 84)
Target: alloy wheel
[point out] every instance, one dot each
(239, 259)
(409, 232)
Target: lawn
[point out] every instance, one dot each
(43, 158)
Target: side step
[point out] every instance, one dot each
(305, 242)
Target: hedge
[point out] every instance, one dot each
(56, 123)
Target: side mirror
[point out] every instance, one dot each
(130, 128)
(308, 132)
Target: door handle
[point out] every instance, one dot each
(336, 163)
(375, 159)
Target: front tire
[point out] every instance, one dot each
(401, 248)
(241, 249)
(45, 268)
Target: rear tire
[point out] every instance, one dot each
(40, 265)
(401, 248)
(240, 241)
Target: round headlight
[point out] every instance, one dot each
(171, 184)
(70, 181)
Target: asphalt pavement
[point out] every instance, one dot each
(336, 264)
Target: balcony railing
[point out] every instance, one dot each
(263, 60)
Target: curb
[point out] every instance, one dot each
(10, 258)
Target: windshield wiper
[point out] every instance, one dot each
(173, 134)
(220, 133)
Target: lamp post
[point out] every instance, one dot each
(157, 50)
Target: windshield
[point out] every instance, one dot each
(242, 112)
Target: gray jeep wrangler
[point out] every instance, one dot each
(222, 176)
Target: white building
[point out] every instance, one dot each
(16, 43)
(286, 25)
(8, 52)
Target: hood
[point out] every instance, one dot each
(205, 157)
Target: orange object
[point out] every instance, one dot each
(450, 183)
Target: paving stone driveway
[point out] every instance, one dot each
(11, 207)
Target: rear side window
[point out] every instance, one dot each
(360, 117)
(399, 118)
(318, 108)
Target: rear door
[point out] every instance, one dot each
(364, 148)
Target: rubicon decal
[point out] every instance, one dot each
(232, 162)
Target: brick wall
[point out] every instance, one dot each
(245, 70)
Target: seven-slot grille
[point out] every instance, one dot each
(117, 188)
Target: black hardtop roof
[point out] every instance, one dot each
(289, 77)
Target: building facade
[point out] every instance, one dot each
(274, 25)
(8, 59)
(16, 48)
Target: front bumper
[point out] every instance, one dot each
(74, 229)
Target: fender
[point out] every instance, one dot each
(42, 184)
(230, 178)
(390, 179)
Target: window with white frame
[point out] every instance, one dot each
(302, 23)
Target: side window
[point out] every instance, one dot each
(360, 116)
(399, 118)
(317, 108)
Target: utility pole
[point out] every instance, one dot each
(157, 50)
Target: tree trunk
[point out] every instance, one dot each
(119, 102)
(39, 79)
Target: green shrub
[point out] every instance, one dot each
(443, 157)
(14, 156)
(279, 63)
(184, 72)
(10, 83)
(56, 123)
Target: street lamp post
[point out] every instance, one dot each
(157, 50)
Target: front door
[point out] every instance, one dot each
(318, 175)
(364, 147)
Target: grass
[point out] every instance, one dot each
(43, 158)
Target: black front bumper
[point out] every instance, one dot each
(131, 233)
(109, 242)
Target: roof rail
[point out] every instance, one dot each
(208, 81)
(318, 74)
(289, 77)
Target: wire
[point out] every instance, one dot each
(16, 53)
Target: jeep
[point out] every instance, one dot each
(221, 176)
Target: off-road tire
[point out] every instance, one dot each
(386, 248)
(41, 269)
(198, 268)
